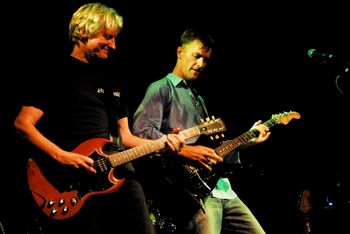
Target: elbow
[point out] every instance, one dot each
(17, 124)
(20, 126)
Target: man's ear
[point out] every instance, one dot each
(83, 39)
(179, 52)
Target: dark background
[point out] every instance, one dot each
(259, 68)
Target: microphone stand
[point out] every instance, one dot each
(341, 75)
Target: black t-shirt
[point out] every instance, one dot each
(80, 101)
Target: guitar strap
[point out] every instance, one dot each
(114, 133)
(200, 105)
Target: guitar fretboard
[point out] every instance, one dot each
(229, 146)
(135, 152)
(144, 149)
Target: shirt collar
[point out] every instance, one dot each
(175, 80)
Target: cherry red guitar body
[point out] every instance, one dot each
(61, 196)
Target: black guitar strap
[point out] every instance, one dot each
(114, 133)
(200, 105)
(201, 101)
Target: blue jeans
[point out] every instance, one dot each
(224, 216)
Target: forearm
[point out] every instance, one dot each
(34, 136)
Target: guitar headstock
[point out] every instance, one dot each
(212, 126)
(285, 117)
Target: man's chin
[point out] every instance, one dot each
(195, 75)
(103, 56)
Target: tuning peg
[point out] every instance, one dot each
(217, 137)
(213, 117)
(202, 120)
(207, 119)
(211, 138)
(222, 135)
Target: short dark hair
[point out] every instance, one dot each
(192, 34)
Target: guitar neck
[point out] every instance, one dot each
(144, 149)
(231, 145)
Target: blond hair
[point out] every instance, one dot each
(91, 18)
